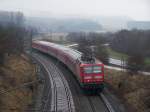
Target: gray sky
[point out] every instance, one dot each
(136, 9)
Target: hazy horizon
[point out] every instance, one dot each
(134, 9)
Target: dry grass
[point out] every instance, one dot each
(135, 89)
(15, 72)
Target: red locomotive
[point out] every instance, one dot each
(90, 74)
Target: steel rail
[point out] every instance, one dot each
(57, 81)
(106, 102)
(65, 87)
(51, 90)
(68, 92)
(92, 105)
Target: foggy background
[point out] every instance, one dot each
(95, 15)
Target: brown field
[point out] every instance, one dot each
(15, 72)
(133, 89)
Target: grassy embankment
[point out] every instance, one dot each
(120, 56)
(116, 55)
(15, 72)
(133, 89)
(147, 62)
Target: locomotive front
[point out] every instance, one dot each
(92, 76)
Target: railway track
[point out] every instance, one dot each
(64, 93)
(106, 102)
(83, 103)
(57, 94)
(100, 102)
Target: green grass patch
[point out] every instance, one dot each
(147, 61)
(116, 55)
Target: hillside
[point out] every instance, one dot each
(62, 25)
(134, 90)
(143, 25)
(14, 97)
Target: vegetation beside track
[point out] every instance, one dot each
(15, 72)
(147, 63)
(122, 56)
(116, 55)
(133, 89)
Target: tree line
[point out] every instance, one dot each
(134, 43)
(12, 35)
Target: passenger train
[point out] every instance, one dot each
(89, 74)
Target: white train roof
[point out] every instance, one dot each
(72, 52)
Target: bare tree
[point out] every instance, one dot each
(11, 36)
(135, 44)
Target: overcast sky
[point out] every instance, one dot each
(136, 9)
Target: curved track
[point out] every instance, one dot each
(82, 102)
(57, 94)
(62, 92)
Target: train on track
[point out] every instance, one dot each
(89, 73)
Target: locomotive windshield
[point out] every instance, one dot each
(92, 69)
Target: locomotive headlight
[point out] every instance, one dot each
(98, 77)
(88, 77)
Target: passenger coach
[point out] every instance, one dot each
(89, 73)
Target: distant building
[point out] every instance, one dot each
(143, 25)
